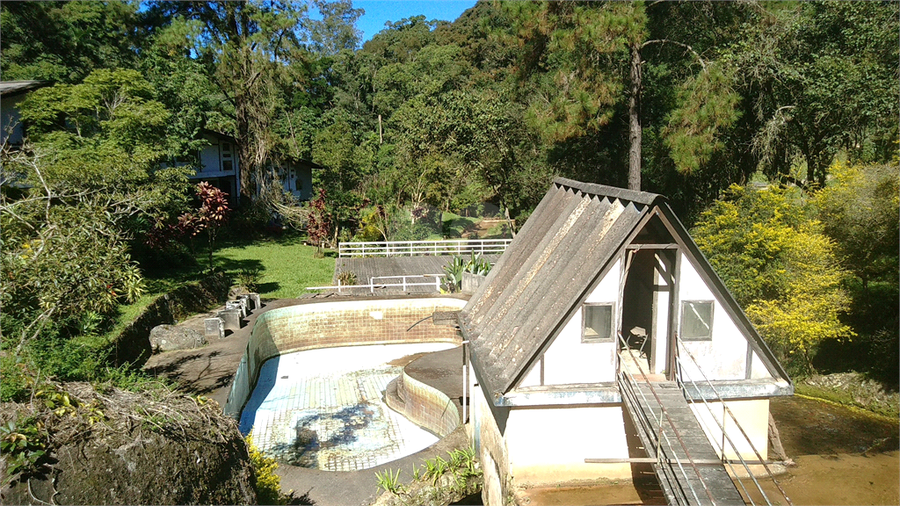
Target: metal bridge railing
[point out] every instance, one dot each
(684, 380)
(423, 248)
(644, 420)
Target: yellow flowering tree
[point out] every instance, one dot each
(781, 267)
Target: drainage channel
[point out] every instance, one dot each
(324, 409)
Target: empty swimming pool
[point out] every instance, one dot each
(324, 408)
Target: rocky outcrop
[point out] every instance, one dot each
(174, 337)
(121, 447)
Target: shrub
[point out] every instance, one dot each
(346, 278)
(390, 481)
(454, 270)
(268, 484)
(779, 264)
(249, 279)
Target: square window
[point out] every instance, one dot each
(696, 320)
(227, 165)
(598, 323)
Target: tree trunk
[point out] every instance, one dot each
(509, 222)
(634, 120)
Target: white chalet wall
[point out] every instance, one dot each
(725, 356)
(569, 361)
(661, 302)
(548, 446)
(209, 160)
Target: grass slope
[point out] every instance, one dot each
(286, 266)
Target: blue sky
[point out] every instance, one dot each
(380, 11)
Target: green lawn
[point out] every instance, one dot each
(455, 225)
(286, 265)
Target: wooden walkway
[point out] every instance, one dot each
(366, 268)
(688, 468)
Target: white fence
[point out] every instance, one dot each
(423, 248)
(432, 280)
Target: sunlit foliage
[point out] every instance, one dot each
(781, 267)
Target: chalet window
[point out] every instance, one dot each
(696, 320)
(226, 147)
(227, 165)
(598, 323)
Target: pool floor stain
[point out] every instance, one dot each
(301, 414)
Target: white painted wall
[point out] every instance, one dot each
(297, 181)
(489, 444)
(533, 378)
(662, 299)
(608, 289)
(751, 415)
(548, 446)
(569, 361)
(725, 356)
(211, 159)
(758, 369)
(210, 165)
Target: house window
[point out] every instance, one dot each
(227, 157)
(598, 323)
(696, 320)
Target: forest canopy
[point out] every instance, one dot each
(685, 99)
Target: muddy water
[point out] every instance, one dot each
(843, 457)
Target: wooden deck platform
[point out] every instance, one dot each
(367, 268)
(687, 466)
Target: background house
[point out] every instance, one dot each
(545, 350)
(218, 164)
(12, 93)
(220, 167)
(296, 178)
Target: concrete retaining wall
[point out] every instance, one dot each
(426, 406)
(330, 324)
(132, 345)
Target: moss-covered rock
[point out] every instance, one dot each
(118, 447)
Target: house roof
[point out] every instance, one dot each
(220, 135)
(11, 88)
(563, 250)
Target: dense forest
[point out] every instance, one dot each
(772, 128)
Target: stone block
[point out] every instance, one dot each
(247, 302)
(235, 305)
(257, 303)
(231, 318)
(471, 282)
(215, 328)
(174, 337)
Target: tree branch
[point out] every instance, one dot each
(681, 44)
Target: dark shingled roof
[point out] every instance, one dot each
(545, 272)
(570, 240)
(10, 88)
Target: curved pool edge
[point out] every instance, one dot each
(308, 326)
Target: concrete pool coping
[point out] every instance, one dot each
(210, 370)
